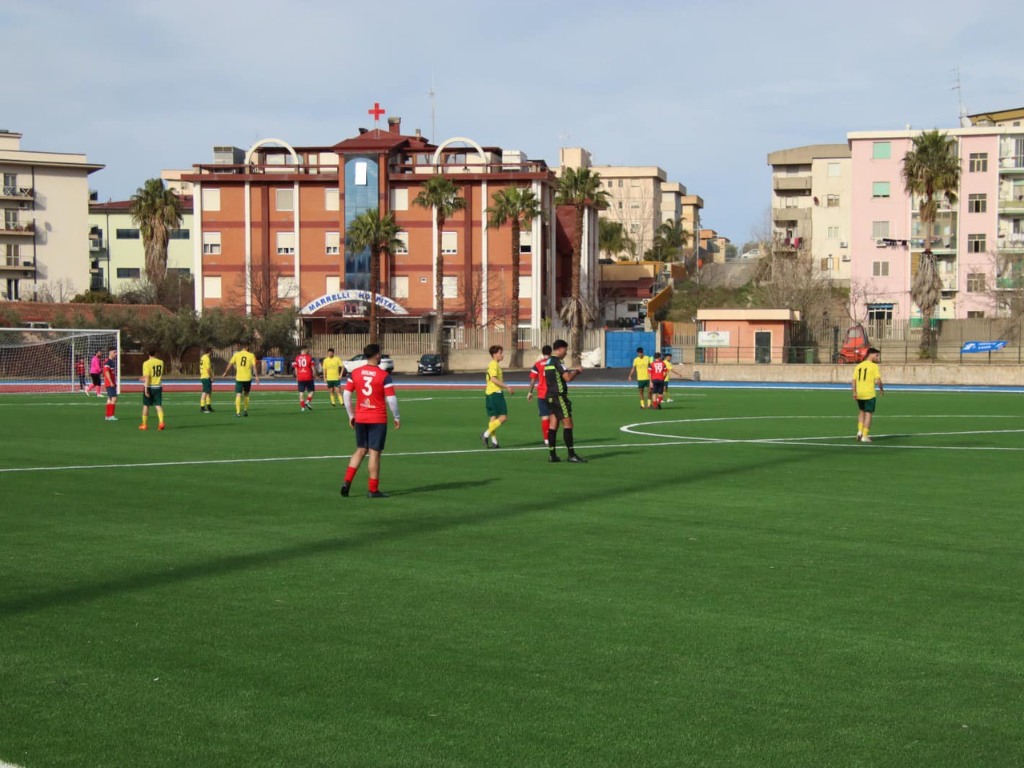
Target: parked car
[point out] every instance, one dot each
(430, 365)
(386, 363)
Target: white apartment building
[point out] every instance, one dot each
(640, 197)
(812, 194)
(44, 242)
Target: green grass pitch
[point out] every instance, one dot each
(736, 582)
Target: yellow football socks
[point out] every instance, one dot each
(495, 423)
(159, 415)
(238, 403)
(247, 402)
(144, 420)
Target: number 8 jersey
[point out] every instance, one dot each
(371, 386)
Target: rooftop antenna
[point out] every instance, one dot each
(431, 94)
(965, 122)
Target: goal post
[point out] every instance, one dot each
(49, 360)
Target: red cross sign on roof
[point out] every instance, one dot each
(377, 111)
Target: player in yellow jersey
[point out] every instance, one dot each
(152, 389)
(206, 379)
(332, 375)
(497, 410)
(642, 366)
(244, 363)
(865, 377)
(667, 359)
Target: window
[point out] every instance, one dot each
(10, 183)
(879, 229)
(634, 227)
(790, 201)
(360, 175)
(975, 243)
(400, 287)
(285, 199)
(827, 264)
(834, 169)
(127, 234)
(211, 287)
(211, 243)
(881, 150)
(180, 271)
(449, 242)
(13, 292)
(286, 287)
(880, 269)
(178, 234)
(332, 200)
(880, 189)
(332, 284)
(620, 205)
(634, 204)
(526, 241)
(332, 243)
(211, 200)
(833, 233)
(620, 183)
(399, 199)
(403, 238)
(634, 183)
(451, 287)
(977, 203)
(978, 162)
(285, 243)
(525, 287)
(832, 201)
(129, 273)
(976, 282)
(975, 314)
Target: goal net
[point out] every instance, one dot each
(43, 360)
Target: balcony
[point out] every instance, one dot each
(1011, 164)
(1015, 205)
(15, 263)
(1012, 243)
(16, 193)
(16, 228)
(791, 183)
(949, 282)
(791, 214)
(790, 245)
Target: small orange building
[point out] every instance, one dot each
(744, 335)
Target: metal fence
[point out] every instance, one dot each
(455, 340)
(899, 342)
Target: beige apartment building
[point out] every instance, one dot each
(44, 242)
(640, 197)
(812, 193)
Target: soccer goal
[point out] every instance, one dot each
(41, 360)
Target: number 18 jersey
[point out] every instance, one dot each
(372, 386)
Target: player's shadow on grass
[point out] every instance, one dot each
(395, 529)
(453, 486)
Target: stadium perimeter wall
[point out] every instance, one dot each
(924, 373)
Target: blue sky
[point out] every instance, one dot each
(705, 90)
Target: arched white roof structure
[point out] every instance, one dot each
(264, 142)
(458, 140)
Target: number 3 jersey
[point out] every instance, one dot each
(371, 387)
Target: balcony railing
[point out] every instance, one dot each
(16, 262)
(19, 228)
(16, 193)
(791, 183)
(1011, 164)
(1015, 203)
(1013, 242)
(945, 243)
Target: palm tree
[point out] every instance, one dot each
(377, 235)
(156, 211)
(442, 195)
(931, 170)
(518, 207)
(612, 239)
(578, 188)
(669, 241)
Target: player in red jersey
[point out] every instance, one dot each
(540, 381)
(304, 372)
(368, 416)
(658, 372)
(110, 382)
(80, 373)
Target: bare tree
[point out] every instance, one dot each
(59, 291)
(262, 281)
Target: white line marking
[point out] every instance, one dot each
(8, 765)
(259, 460)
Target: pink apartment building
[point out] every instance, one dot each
(978, 241)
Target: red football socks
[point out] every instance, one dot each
(374, 485)
(110, 410)
(544, 430)
(350, 474)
